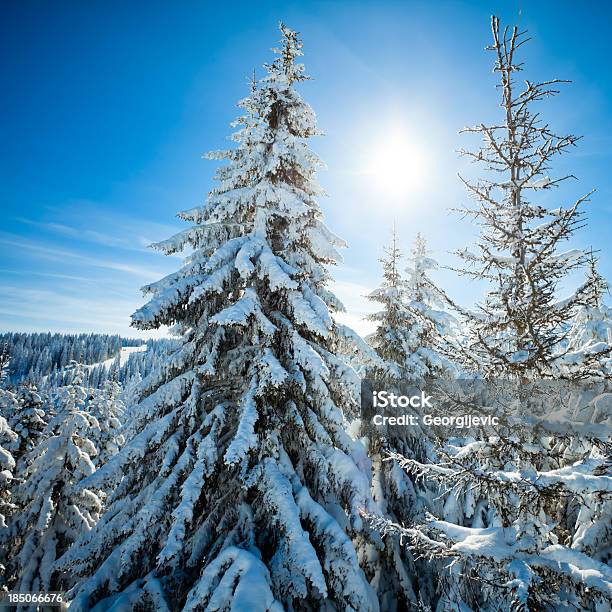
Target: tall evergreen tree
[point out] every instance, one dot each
(242, 489)
(7, 468)
(391, 569)
(8, 441)
(28, 419)
(391, 338)
(431, 328)
(7, 471)
(108, 409)
(410, 330)
(590, 331)
(411, 327)
(5, 362)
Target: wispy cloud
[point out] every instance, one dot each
(89, 235)
(70, 277)
(83, 234)
(30, 309)
(54, 253)
(133, 241)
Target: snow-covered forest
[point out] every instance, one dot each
(42, 359)
(232, 466)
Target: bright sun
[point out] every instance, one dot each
(397, 165)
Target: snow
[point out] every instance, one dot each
(245, 438)
(235, 575)
(124, 354)
(246, 309)
(499, 544)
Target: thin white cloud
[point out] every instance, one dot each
(71, 277)
(88, 235)
(55, 253)
(134, 241)
(28, 309)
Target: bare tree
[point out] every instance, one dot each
(520, 327)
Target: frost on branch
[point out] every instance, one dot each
(520, 552)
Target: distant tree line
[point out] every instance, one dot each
(38, 354)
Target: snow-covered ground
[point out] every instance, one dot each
(124, 355)
(126, 351)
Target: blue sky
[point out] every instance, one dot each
(108, 107)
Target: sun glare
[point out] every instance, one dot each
(396, 165)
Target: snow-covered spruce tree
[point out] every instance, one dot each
(590, 331)
(521, 325)
(242, 489)
(7, 469)
(28, 419)
(411, 327)
(108, 409)
(5, 362)
(432, 327)
(8, 400)
(8, 441)
(390, 339)
(410, 331)
(392, 568)
(52, 512)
